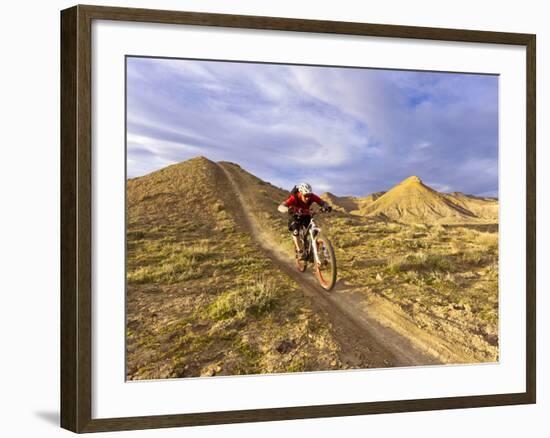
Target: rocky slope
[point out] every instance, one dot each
(413, 201)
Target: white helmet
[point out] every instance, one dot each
(304, 188)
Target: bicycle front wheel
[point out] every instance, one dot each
(301, 265)
(325, 267)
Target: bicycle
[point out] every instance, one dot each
(319, 251)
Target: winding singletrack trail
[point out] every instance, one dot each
(364, 341)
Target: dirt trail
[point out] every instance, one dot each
(365, 341)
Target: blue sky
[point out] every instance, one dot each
(346, 130)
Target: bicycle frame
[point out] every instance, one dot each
(312, 230)
(317, 250)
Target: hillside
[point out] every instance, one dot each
(191, 191)
(202, 299)
(351, 204)
(442, 282)
(205, 297)
(365, 201)
(413, 201)
(484, 208)
(344, 204)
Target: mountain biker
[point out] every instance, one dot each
(297, 205)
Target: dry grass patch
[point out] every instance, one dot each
(168, 262)
(487, 240)
(418, 262)
(254, 299)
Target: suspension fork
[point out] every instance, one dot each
(314, 246)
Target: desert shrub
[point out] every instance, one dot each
(457, 246)
(171, 262)
(415, 244)
(199, 250)
(418, 262)
(254, 298)
(135, 235)
(419, 227)
(218, 207)
(297, 364)
(488, 240)
(249, 357)
(492, 272)
(438, 231)
(468, 235)
(346, 240)
(393, 227)
(166, 242)
(225, 263)
(475, 258)
(248, 268)
(177, 269)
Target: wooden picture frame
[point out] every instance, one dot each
(76, 217)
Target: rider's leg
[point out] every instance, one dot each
(294, 228)
(297, 244)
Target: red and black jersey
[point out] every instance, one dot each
(297, 203)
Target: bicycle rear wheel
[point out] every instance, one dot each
(325, 269)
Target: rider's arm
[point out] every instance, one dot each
(316, 199)
(290, 202)
(282, 208)
(320, 202)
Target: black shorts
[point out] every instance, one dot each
(295, 222)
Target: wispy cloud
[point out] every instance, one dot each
(351, 131)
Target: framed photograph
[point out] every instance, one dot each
(269, 218)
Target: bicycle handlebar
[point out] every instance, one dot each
(300, 212)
